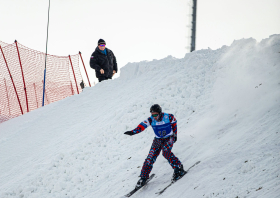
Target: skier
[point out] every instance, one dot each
(165, 129)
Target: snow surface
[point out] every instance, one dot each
(226, 101)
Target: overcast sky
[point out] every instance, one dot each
(135, 30)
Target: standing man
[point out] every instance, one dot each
(165, 129)
(103, 61)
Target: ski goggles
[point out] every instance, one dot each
(102, 45)
(155, 115)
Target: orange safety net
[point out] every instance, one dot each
(22, 76)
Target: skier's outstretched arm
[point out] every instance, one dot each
(141, 127)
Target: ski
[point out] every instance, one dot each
(173, 181)
(136, 189)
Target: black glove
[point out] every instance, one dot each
(129, 133)
(174, 137)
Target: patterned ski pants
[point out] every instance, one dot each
(164, 144)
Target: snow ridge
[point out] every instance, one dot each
(227, 105)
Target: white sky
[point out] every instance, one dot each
(135, 30)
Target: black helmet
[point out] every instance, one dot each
(155, 108)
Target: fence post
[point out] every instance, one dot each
(7, 96)
(85, 68)
(72, 90)
(35, 94)
(45, 93)
(74, 74)
(12, 80)
(22, 77)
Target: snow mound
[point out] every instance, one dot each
(227, 105)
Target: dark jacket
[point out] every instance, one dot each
(108, 63)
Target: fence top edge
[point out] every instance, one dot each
(20, 46)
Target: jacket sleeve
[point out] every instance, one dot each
(173, 122)
(93, 63)
(115, 65)
(142, 126)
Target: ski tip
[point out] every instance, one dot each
(152, 175)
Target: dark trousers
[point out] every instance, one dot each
(101, 78)
(160, 144)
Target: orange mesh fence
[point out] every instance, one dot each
(22, 76)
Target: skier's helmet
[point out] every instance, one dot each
(155, 108)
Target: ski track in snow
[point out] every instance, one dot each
(227, 105)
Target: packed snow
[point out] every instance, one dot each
(226, 101)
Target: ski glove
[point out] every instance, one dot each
(174, 137)
(129, 133)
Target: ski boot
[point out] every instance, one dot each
(178, 173)
(141, 182)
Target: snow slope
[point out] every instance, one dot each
(226, 101)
